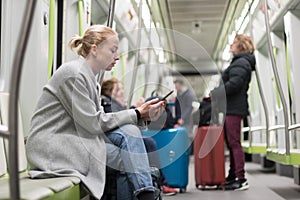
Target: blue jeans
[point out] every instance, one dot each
(126, 153)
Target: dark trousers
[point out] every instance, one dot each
(153, 157)
(233, 141)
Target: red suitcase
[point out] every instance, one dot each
(209, 157)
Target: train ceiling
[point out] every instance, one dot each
(207, 22)
(199, 28)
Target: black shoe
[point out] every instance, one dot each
(146, 195)
(230, 179)
(239, 184)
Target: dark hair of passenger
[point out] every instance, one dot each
(108, 85)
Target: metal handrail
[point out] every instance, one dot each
(253, 128)
(294, 127)
(250, 130)
(111, 13)
(264, 104)
(13, 99)
(110, 19)
(276, 127)
(263, 99)
(245, 129)
(147, 69)
(277, 80)
(261, 93)
(4, 131)
(137, 55)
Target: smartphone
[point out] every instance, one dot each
(165, 97)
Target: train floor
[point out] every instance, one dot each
(263, 185)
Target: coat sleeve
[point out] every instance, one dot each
(187, 107)
(79, 99)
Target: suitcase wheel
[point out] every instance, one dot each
(182, 190)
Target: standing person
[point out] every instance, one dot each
(236, 80)
(69, 127)
(113, 101)
(183, 106)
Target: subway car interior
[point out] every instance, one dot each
(160, 41)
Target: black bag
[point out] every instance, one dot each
(165, 121)
(205, 112)
(110, 190)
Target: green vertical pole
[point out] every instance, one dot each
(80, 17)
(51, 37)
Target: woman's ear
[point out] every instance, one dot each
(93, 49)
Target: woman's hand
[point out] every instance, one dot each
(140, 102)
(179, 123)
(151, 110)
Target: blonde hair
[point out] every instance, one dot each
(244, 43)
(95, 34)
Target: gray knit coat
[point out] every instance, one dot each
(68, 128)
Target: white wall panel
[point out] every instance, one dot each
(292, 29)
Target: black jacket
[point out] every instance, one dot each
(235, 84)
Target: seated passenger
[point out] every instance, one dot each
(69, 127)
(113, 100)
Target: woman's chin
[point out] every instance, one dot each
(109, 68)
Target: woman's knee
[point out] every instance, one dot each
(131, 130)
(121, 134)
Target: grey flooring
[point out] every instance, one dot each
(263, 185)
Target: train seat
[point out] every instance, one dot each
(50, 188)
